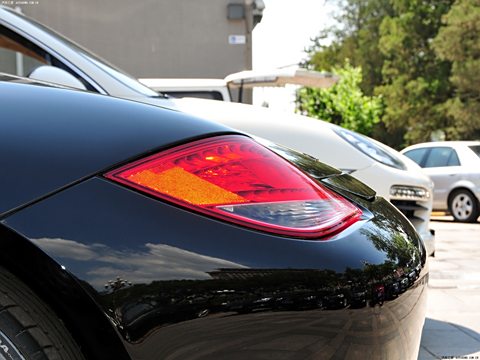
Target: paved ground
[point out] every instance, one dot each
(452, 327)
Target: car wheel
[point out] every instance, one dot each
(28, 328)
(463, 206)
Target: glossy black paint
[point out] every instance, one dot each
(134, 277)
(320, 171)
(181, 285)
(63, 293)
(50, 138)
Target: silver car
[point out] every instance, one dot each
(454, 167)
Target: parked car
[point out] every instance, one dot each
(50, 57)
(221, 89)
(454, 167)
(392, 175)
(213, 89)
(129, 231)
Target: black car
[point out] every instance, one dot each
(129, 231)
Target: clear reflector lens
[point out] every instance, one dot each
(298, 214)
(236, 179)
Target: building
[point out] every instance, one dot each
(155, 38)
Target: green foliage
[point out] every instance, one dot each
(356, 38)
(344, 103)
(459, 43)
(422, 57)
(415, 81)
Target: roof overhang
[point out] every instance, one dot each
(281, 77)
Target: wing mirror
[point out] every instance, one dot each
(56, 75)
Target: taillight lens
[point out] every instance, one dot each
(235, 179)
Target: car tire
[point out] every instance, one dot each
(463, 206)
(28, 328)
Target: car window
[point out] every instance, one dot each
(94, 59)
(475, 149)
(416, 155)
(19, 56)
(211, 95)
(442, 156)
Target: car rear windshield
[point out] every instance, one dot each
(475, 149)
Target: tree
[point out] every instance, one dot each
(416, 82)
(459, 42)
(391, 40)
(355, 38)
(344, 103)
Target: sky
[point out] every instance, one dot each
(280, 39)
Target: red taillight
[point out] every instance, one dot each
(236, 179)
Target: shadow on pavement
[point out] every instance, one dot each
(445, 340)
(449, 219)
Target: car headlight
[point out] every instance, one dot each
(370, 148)
(405, 192)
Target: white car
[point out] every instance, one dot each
(454, 167)
(389, 173)
(47, 56)
(212, 89)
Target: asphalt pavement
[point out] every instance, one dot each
(452, 327)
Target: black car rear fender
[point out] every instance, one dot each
(62, 293)
(141, 248)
